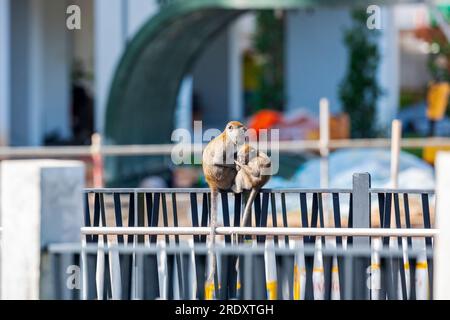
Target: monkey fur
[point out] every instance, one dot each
(253, 172)
(220, 171)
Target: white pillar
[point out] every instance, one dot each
(56, 71)
(49, 71)
(442, 244)
(116, 21)
(36, 70)
(40, 204)
(4, 71)
(389, 69)
(235, 78)
(109, 43)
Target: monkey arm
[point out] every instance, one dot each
(219, 159)
(254, 172)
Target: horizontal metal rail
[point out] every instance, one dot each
(409, 191)
(267, 190)
(205, 190)
(309, 249)
(166, 149)
(259, 231)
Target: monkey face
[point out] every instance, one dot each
(236, 132)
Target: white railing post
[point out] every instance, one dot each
(442, 244)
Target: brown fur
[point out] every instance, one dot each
(220, 171)
(252, 175)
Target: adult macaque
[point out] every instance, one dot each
(220, 171)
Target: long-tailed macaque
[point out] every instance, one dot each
(220, 171)
(254, 170)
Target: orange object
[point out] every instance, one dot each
(437, 100)
(429, 153)
(265, 119)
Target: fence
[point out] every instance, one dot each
(318, 229)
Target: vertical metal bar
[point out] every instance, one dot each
(206, 204)
(428, 240)
(237, 209)
(284, 215)
(387, 216)
(314, 215)
(181, 283)
(225, 259)
(407, 217)
(135, 270)
(340, 259)
(232, 270)
(118, 215)
(226, 214)
(361, 219)
(257, 205)
(401, 263)
(304, 213)
(96, 214)
(381, 204)
(337, 216)
(412, 268)
(327, 271)
(348, 277)
(120, 239)
(273, 209)
(247, 278)
(87, 215)
(149, 206)
(411, 261)
(107, 280)
(194, 214)
(350, 219)
(263, 215)
(386, 263)
(200, 261)
(150, 261)
(131, 220)
(164, 212)
(309, 260)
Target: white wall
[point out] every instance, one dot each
(40, 67)
(116, 21)
(55, 69)
(4, 71)
(211, 76)
(82, 41)
(316, 58)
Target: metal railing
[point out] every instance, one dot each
(298, 276)
(293, 219)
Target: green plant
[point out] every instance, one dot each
(359, 90)
(269, 45)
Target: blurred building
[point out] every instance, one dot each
(54, 82)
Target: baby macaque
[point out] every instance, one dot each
(253, 171)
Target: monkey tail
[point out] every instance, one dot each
(248, 207)
(246, 217)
